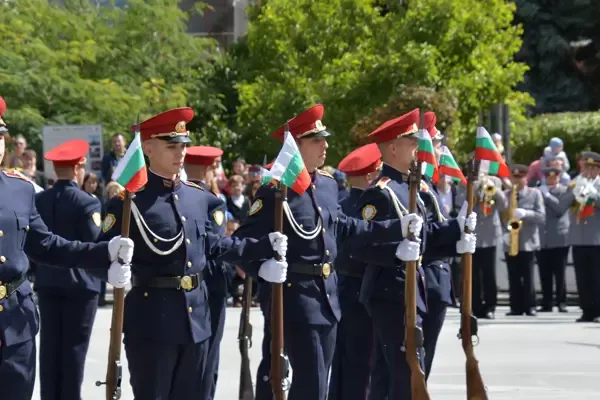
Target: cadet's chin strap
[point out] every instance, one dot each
(142, 227)
(297, 229)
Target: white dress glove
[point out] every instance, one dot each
(119, 275)
(409, 250)
(520, 213)
(273, 271)
(466, 244)
(545, 190)
(462, 219)
(279, 243)
(120, 249)
(412, 223)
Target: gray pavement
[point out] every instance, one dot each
(547, 357)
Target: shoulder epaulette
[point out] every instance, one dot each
(121, 195)
(273, 184)
(424, 186)
(383, 182)
(325, 173)
(15, 175)
(192, 184)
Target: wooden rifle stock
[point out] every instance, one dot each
(278, 358)
(414, 334)
(468, 323)
(114, 368)
(245, 343)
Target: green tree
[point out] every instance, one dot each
(353, 55)
(77, 63)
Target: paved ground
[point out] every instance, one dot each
(548, 357)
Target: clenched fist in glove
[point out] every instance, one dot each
(273, 271)
(463, 220)
(466, 244)
(119, 275)
(279, 243)
(412, 223)
(120, 249)
(520, 213)
(409, 250)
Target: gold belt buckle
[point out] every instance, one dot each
(3, 292)
(186, 283)
(326, 270)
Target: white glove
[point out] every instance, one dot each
(466, 244)
(462, 219)
(545, 190)
(120, 249)
(409, 250)
(279, 243)
(412, 223)
(520, 213)
(273, 271)
(119, 275)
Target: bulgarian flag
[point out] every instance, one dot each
(426, 156)
(448, 166)
(289, 168)
(265, 176)
(485, 150)
(131, 171)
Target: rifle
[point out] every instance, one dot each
(245, 342)
(413, 334)
(468, 322)
(114, 369)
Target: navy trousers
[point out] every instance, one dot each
(390, 374)
(164, 371)
(17, 370)
(217, 303)
(433, 322)
(66, 322)
(351, 363)
(263, 382)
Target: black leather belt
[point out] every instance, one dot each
(351, 272)
(323, 270)
(8, 288)
(186, 283)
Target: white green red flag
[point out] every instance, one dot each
(289, 168)
(485, 150)
(426, 155)
(449, 167)
(131, 171)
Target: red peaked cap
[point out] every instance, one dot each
(68, 154)
(405, 125)
(269, 165)
(305, 125)
(430, 121)
(202, 155)
(2, 123)
(364, 160)
(169, 126)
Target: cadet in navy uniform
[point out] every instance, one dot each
(314, 222)
(382, 290)
(351, 362)
(23, 234)
(199, 161)
(438, 274)
(67, 298)
(167, 315)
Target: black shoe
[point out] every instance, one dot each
(563, 308)
(489, 315)
(545, 309)
(531, 313)
(513, 313)
(597, 320)
(584, 318)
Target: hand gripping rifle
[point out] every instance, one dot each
(468, 322)
(414, 335)
(245, 342)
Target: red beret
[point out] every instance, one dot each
(68, 154)
(169, 126)
(307, 124)
(430, 121)
(405, 125)
(202, 155)
(364, 160)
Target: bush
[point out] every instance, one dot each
(579, 132)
